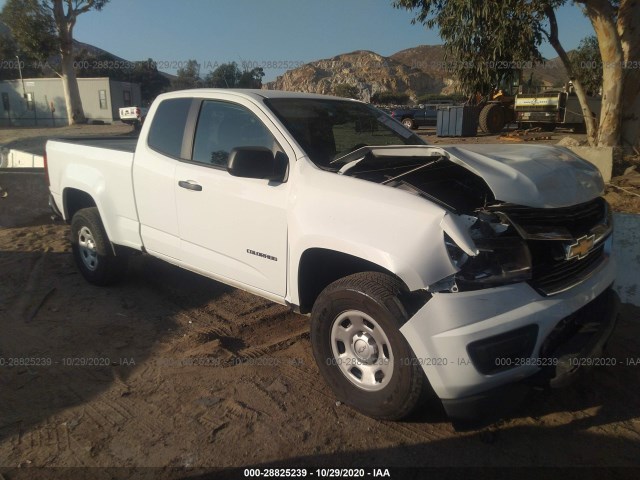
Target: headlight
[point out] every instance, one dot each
(503, 257)
(456, 254)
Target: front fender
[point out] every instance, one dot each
(391, 228)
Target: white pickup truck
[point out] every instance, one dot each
(471, 271)
(133, 115)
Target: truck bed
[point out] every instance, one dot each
(101, 165)
(123, 144)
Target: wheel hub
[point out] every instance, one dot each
(365, 347)
(362, 350)
(88, 250)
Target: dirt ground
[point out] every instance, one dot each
(171, 370)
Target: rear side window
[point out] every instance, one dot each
(167, 127)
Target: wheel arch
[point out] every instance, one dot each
(319, 267)
(74, 199)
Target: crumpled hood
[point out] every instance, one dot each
(538, 176)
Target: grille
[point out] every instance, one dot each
(556, 276)
(578, 219)
(551, 272)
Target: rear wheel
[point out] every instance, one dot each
(492, 118)
(357, 344)
(92, 250)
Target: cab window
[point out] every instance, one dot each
(223, 126)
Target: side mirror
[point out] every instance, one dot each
(257, 162)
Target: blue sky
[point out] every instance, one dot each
(267, 32)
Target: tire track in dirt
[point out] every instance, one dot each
(246, 326)
(407, 432)
(267, 328)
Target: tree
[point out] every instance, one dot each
(65, 20)
(486, 43)
(188, 77)
(229, 75)
(32, 28)
(514, 29)
(226, 75)
(346, 90)
(585, 61)
(32, 38)
(251, 78)
(44, 26)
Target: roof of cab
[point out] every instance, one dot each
(254, 93)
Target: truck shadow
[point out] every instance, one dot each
(64, 342)
(544, 453)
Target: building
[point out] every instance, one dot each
(40, 101)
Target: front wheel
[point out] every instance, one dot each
(359, 349)
(92, 250)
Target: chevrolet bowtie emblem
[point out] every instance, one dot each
(581, 248)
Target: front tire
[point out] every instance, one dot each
(357, 344)
(92, 250)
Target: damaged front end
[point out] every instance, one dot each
(499, 255)
(493, 242)
(525, 265)
(551, 249)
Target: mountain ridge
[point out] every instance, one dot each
(417, 71)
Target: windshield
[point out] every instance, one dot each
(329, 129)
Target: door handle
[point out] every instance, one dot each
(190, 185)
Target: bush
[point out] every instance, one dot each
(390, 98)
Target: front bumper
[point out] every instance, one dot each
(441, 331)
(594, 324)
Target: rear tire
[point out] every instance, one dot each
(409, 123)
(357, 344)
(92, 250)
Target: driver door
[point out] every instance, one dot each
(230, 227)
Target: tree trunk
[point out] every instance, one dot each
(75, 112)
(601, 13)
(589, 120)
(629, 32)
(65, 24)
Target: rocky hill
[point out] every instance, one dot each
(368, 71)
(416, 71)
